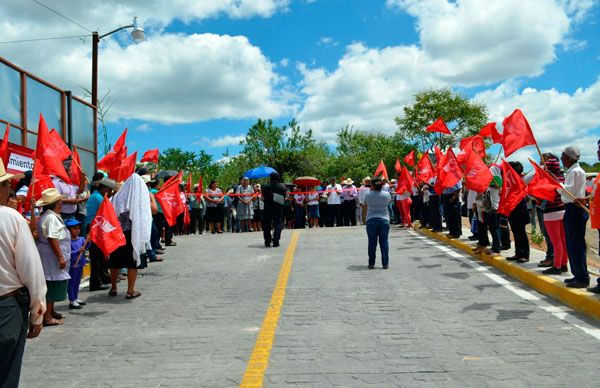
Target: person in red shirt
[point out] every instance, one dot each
(595, 213)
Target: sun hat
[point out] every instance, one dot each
(572, 152)
(49, 196)
(111, 184)
(71, 222)
(348, 181)
(4, 176)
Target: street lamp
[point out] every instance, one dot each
(137, 34)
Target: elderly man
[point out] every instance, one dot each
(348, 198)
(575, 218)
(22, 287)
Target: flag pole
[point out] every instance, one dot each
(82, 250)
(499, 153)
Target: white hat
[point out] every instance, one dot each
(49, 196)
(4, 176)
(348, 181)
(572, 152)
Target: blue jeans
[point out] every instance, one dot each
(378, 228)
(575, 220)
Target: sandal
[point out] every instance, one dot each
(133, 295)
(112, 292)
(53, 322)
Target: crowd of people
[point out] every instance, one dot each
(44, 246)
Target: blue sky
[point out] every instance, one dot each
(209, 69)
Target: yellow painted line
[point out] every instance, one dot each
(259, 360)
(578, 299)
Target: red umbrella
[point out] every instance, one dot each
(307, 181)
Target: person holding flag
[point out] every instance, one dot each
(575, 218)
(594, 213)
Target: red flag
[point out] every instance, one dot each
(112, 160)
(477, 176)
(425, 169)
(517, 133)
(543, 185)
(106, 230)
(439, 126)
(188, 185)
(50, 152)
(39, 183)
(174, 179)
(450, 173)
(170, 201)
(398, 167)
(405, 182)
(473, 143)
(186, 216)
(75, 172)
(410, 158)
(381, 170)
(513, 190)
(150, 156)
(4, 145)
(487, 130)
(439, 155)
(127, 167)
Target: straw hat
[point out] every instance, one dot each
(49, 196)
(348, 181)
(4, 176)
(365, 179)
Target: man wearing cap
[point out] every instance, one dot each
(22, 287)
(575, 218)
(99, 277)
(348, 198)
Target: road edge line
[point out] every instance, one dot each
(577, 299)
(259, 360)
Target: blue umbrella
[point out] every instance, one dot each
(259, 172)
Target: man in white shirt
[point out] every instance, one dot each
(575, 218)
(348, 198)
(334, 203)
(22, 287)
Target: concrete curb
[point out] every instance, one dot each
(578, 299)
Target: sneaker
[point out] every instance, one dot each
(552, 271)
(74, 305)
(81, 302)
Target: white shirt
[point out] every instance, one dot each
(471, 196)
(574, 183)
(313, 198)
(333, 198)
(20, 263)
(362, 193)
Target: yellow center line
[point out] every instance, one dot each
(259, 360)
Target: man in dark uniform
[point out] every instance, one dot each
(274, 194)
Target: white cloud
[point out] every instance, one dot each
(557, 119)
(143, 128)
(169, 78)
(462, 43)
(227, 140)
(284, 62)
(327, 41)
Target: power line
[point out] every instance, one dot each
(63, 16)
(40, 39)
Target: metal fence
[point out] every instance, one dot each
(23, 96)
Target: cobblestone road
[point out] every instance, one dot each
(434, 318)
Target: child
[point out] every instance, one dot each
(76, 267)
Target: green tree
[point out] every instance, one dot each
(288, 149)
(463, 116)
(359, 153)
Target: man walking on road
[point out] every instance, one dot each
(22, 287)
(274, 194)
